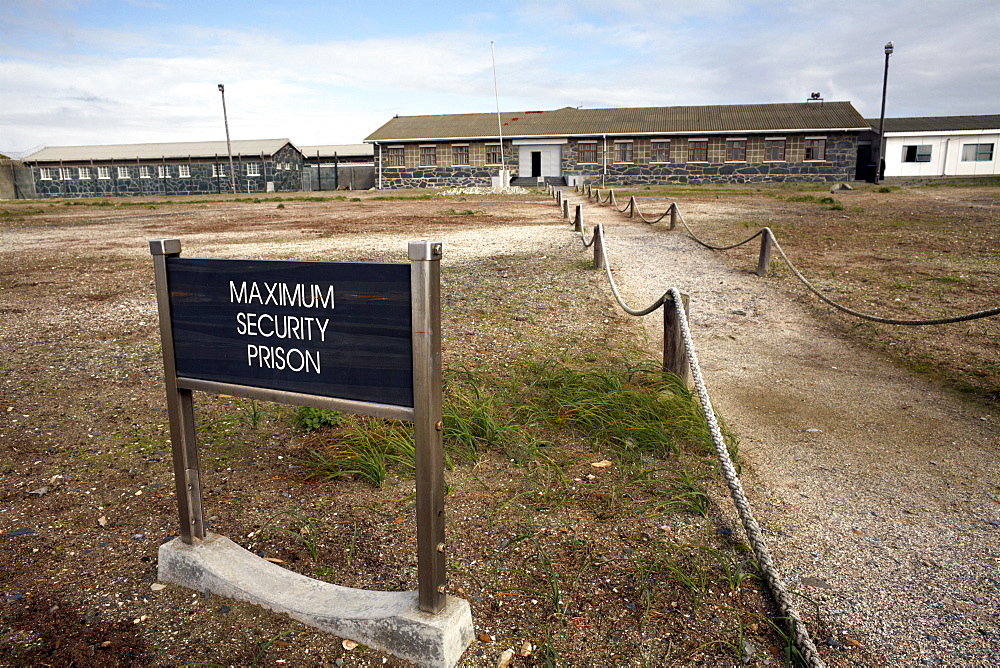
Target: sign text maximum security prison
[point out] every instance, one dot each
(319, 328)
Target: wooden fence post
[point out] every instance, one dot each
(578, 219)
(599, 246)
(675, 359)
(764, 263)
(673, 215)
(631, 206)
(565, 208)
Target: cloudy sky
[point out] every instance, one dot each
(325, 72)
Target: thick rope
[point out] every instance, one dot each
(754, 535)
(710, 246)
(614, 203)
(666, 213)
(750, 526)
(864, 316)
(840, 307)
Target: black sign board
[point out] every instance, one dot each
(330, 329)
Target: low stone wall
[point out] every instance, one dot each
(439, 177)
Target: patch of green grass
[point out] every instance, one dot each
(634, 410)
(302, 528)
(389, 198)
(365, 448)
(310, 419)
(18, 213)
(472, 420)
(970, 182)
(464, 212)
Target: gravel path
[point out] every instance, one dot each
(878, 493)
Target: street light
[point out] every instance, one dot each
(881, 118)
(229, 146)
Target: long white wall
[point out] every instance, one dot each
(946, 153)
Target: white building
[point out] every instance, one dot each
(941, 146)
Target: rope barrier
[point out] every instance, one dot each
(635, 208)
(752, 529)
(840, 307)
(886, 321)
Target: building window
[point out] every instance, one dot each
(162, 172)
(144, 172)
(65, 173)
(774, 150)
(104, 172)
(459, 154)
(123, 172)
(921, 153)
(698, 150)
(659, 150)
(184, 171)
(396, 156)
(218, 170)
(428, 156)
(736, 150)
(493, 156)
(83, 173)
(623, 151)
(253, 169)
(815, 148)
(586, 152)
(977, 152)
(47, 173)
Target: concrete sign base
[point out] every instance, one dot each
(389, 621)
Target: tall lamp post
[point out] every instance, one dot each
(881, 118)
(229, 146)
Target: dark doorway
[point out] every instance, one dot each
(536, 163)
(865, 170)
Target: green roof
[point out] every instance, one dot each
(571, 122)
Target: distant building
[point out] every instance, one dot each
(178, 168)
(812, 141)
(338, 167)
(941, 145)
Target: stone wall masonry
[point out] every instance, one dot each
(839, 165)
(476, 174)
(200, 182)
(841, 156)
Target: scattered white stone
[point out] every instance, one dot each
(476, 190)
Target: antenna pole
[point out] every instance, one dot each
(496, 91)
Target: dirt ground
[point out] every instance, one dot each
(86, 479)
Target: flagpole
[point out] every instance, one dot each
(496, 91)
